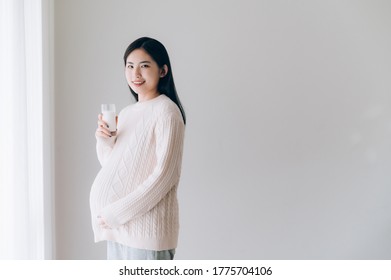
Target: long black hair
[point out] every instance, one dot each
(159, 54)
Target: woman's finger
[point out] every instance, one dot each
(102, 223)
(102, 123)
(102, 132)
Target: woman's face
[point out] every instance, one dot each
(143, 74)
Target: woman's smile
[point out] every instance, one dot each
(138, 83)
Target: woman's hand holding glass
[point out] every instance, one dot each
(103, 129)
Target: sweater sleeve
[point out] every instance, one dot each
(104, 147)
(169, 133)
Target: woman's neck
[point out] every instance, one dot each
(147, 96)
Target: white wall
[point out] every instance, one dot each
(288, 139)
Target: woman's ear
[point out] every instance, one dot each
(163, 71)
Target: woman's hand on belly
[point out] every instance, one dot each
(102, 223)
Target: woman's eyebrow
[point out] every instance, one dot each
(145, 61)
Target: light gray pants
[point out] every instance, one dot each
(116, 251)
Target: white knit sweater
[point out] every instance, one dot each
(135, 191)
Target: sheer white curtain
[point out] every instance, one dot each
(21, 130)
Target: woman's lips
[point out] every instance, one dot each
(138, 83)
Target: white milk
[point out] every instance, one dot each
(109, 115)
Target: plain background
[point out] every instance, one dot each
(288, 142)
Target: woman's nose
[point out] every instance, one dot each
(137, 72)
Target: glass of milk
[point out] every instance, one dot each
(108, 115)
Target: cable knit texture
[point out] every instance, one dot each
(136, 189)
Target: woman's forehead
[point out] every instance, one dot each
(138, 55)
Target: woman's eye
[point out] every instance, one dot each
(130, 66)
(145, 66)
